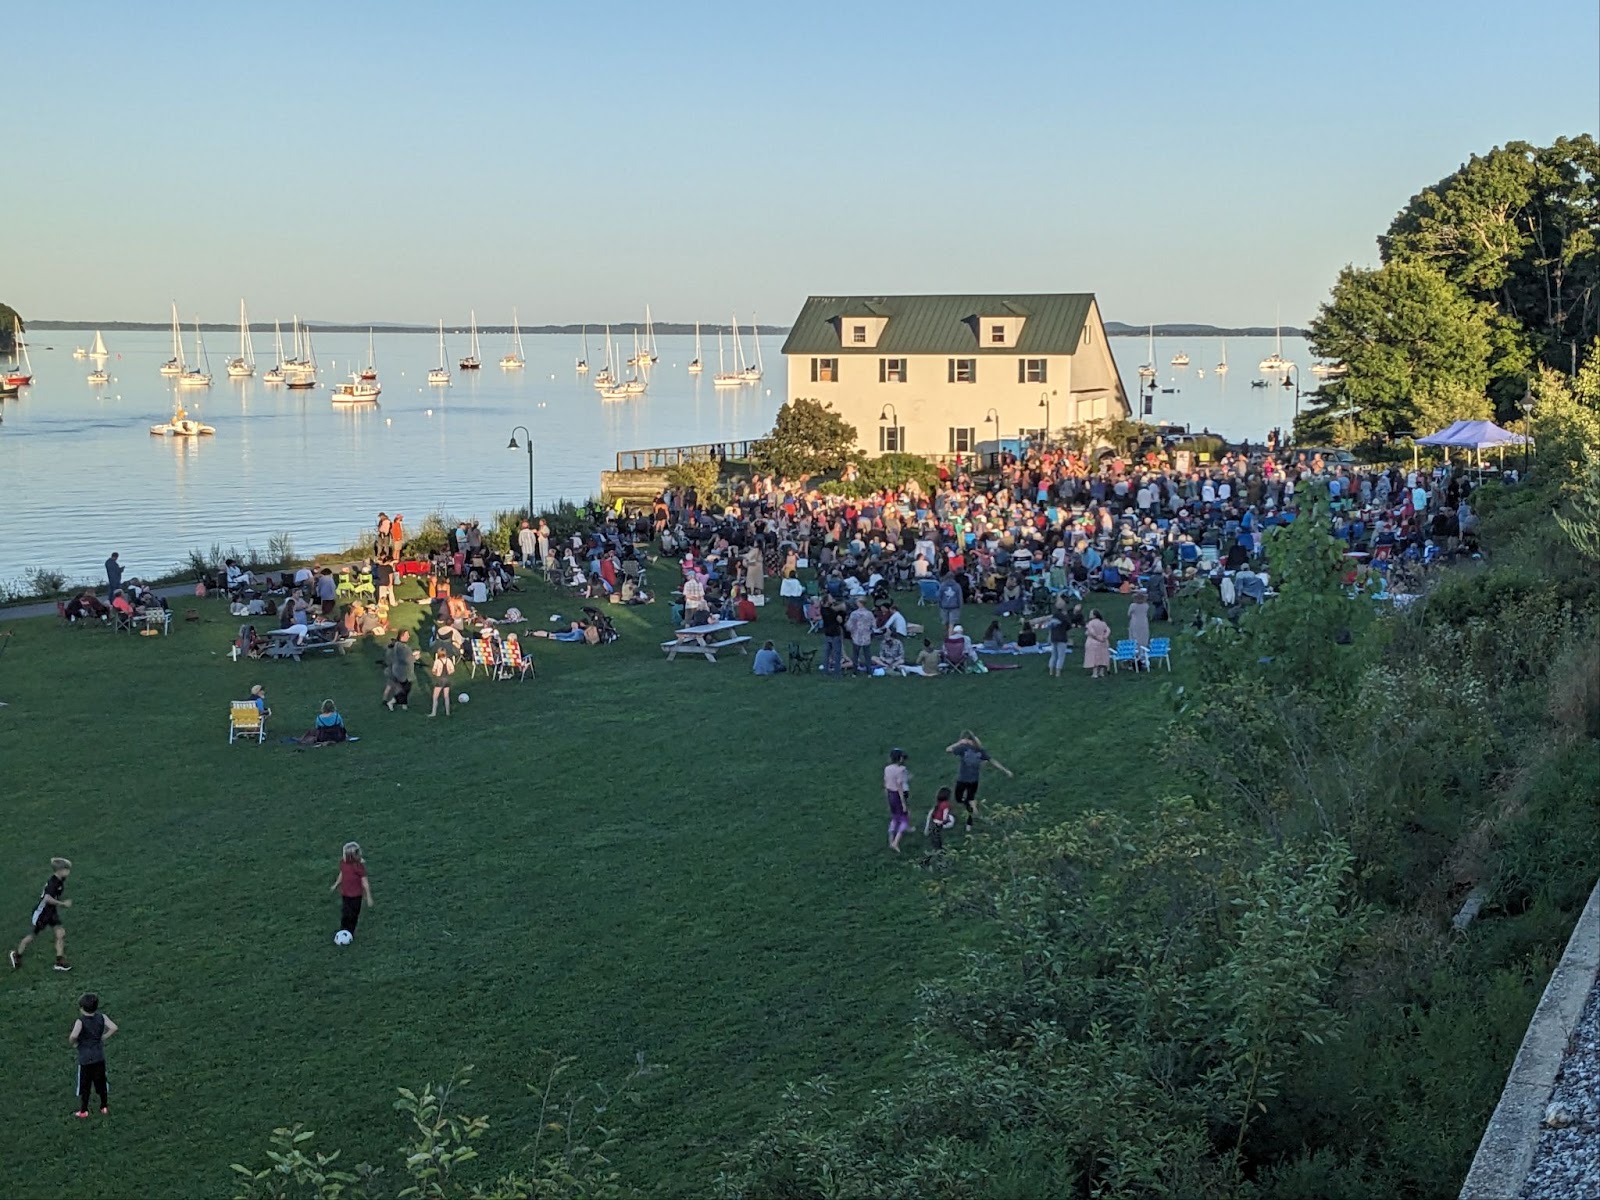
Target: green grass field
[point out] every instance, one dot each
(626, 856)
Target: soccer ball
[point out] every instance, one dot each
(462, 697)
(343, 938)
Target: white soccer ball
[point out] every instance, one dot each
(462, 697)
(343, 938)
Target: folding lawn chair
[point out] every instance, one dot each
(1126, 652)
(245, 720)
(801, 660)
(1160, 649)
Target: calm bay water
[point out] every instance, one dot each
(81, 475)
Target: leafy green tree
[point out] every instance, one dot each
(1417, 350)
(701, 475)
(808, 437)
(1517, 228)
(9, 320)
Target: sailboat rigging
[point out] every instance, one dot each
(696, 366)
(441, 373)
(513, 359)
(472, 361)
(174, 365)
(198, 375)
(582, 366)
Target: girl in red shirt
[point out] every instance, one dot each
(352, 886)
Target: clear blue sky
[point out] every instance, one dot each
(394, 160)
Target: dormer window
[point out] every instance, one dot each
(997, 334)
(997, 331)
(861, 331)
(858, 334)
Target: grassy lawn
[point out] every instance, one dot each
(627, 856)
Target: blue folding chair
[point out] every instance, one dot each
(1160, 649)
(927, 592)
(1125, 652)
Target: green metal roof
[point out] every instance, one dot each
(941, 324)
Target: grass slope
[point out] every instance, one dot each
(626, 856)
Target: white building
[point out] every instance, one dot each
(954, 374)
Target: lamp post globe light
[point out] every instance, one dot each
(884, 418)
(1044, 403)
(1526, 405)
(512, 445)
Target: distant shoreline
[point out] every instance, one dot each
(662, 328)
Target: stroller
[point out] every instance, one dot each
(602, 623)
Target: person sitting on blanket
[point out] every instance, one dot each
(86, 605)
(928, 658)
(995, 642)
(328, 727)
(1027, 636)
(891, 654)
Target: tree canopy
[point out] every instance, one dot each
(1485, 276)
(9, 319)
(807, 437)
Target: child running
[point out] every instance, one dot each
(48, 914)
(90, 1033)
(897, 791)
(969, 750)
(352, 886)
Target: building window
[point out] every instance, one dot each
(997, 334)
(963, 370)
(891, 370)
(962, 441)
(858, 333)
(891, 439)
(1031, 370)
(824, 370)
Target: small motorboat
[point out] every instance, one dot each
(181, 425)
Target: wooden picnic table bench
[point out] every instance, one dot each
(703, 640)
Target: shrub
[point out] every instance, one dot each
(892, 472)
(701, 475)
(280, 549)
(45, 581)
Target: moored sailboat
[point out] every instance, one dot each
(274, 374)
(441, 373)
(198, 375)
(582, 366)
(514, 360)
(21, 372)
(696, 366)
(244, 365)
(174, 365)
(370, 371)
(472, 361)
(724, 378)
(301, 375)
(1222, 367)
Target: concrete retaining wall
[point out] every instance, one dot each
(1506, 1151)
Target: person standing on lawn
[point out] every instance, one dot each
(113, 574)
(971, 756)
(48, 914)
(352, 886)
(897, 791)
(89, 1035)
(400, 672)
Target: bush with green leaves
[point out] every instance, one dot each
(807, 438)
(567, 1160)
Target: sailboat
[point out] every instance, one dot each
(98, 350)
(696, 366)
(302, 375)
(514, 360)
(181, 424)
(636, 383)
(752, 373)
(99, 375)
(370, 371)
(1148, 370)
(275, 373)
(79, 352)
(174, 365)
(582, 366)
(606, 375)
(1180, 359)
(724, 378)
(441, 373)
(472, 361)
(198, 375)
(1276, 361)
(1222, 367)
(21, 372)
(245, 364)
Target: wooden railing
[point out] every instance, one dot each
(662, 457)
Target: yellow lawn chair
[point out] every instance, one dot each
(245, 721)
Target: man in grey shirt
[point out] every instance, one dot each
(113, 574)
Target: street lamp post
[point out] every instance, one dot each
(889, 414)
(993, 418)
(1044, 403)
(1294, 370)
(512, 445)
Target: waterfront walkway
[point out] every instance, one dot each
(47, 608)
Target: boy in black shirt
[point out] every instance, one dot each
(48, 913)
(90, 1032)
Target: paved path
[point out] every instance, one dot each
(47, 608)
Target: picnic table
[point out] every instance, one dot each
(324, 635)
(702, 639)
